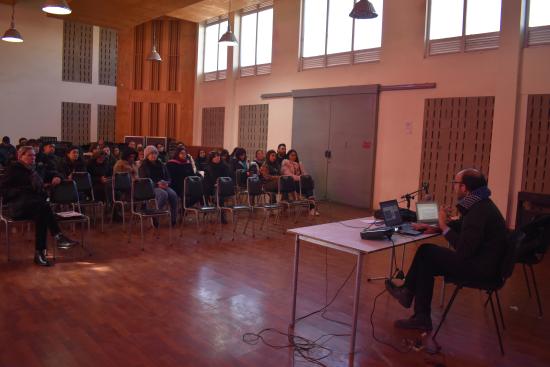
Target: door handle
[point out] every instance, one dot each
(328, 154)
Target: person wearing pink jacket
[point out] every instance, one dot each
(291, 166)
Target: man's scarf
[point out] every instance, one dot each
(481, 193)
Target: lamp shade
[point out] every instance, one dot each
(154, 55)
(58, 7)
(363, 9)
(12, 35)
(228, 38)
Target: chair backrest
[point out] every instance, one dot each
(83, 181)
(225, 187)
(193, 187)
(513, 244)
(306, 183)
(122, 181)
(240, 178)
(143, 190)
(65, 193)
(254, 185)
(286, 184)
(537, 240)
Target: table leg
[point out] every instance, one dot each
(358, 274)
(295, 279)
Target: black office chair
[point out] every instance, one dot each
(513, 247)
(286, 190)
(225, 190)
(8, 221)
(193, 192)
(85, 188)
(142, 194)
(121, 191)
(257, 201)
(63, 196)
(537, 241)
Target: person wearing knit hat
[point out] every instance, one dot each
(127, 163)
(154, 169)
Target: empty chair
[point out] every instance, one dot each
(8, 221)
(257, 201)
(240, 183)
(225, 190)
(87, 199)
(193, 193)
(121, 188)
(142, 194)
(66, 195)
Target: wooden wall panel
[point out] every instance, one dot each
(137, 119)
(77, 52)
(106, 122)
(75, 122)
(457, 135)
(108, 50)
(536, 155)
(169, 84)
(213, 126)
(253, 121)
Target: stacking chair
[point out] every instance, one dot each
(84, 186)
(142, 194)
(121, 184)
(513, 247)
(226, 190)
(193, 191)
(537, 241)
(9, 221)
(256, 200)
(240, 183)
(65, 195)
(287, 188)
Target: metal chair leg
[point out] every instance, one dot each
(496, 323)
(539, 303)
(142, 235)
(447, 309)
(500, 311)
(526, 280)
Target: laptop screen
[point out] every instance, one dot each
(427, 212)
(390, 211)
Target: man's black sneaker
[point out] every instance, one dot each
(415, 322)
(64, 242)
(41, 259)
(401, 294)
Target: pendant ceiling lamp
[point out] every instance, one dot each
(12, 35)
(58, 7)
(228, 38)
(363, 9)
(154, 55)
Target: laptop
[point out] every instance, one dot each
(392, 218)
(427, 212)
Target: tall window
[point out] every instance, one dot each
(256, 39)
(331, 37)
(215, 55)
(538, 32)
(463, 25)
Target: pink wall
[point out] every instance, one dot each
(488, 73)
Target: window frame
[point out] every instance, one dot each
(325, 60)
(462, 43)
(218, 74)
(256, 69)
(535, 36)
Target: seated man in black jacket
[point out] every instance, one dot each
(47, 163)
(478, 241)
(23, 191)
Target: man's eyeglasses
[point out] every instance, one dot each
(456, 182)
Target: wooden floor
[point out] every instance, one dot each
(189, 303)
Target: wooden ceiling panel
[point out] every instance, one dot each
(207, 9)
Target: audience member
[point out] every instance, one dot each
(72, 163)
(281, 153)
(201, 161)
(132, 145)
(291, 166)
(111, 160)
(478, 241)
(179, 167)
(225, 158)
(127, 163)
(269, 174)
(163, 155)
(48, 165)
(116, 153)
(7, 151)
(23, 191)
(259, 157)
(101, 171)
(22, 143)
(215, 169)
(152, 168)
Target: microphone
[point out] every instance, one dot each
(425, 186)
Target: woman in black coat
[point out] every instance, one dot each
(23, 192)
(179, 167)
(215, 169)
(101, 171)
(72, 163)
